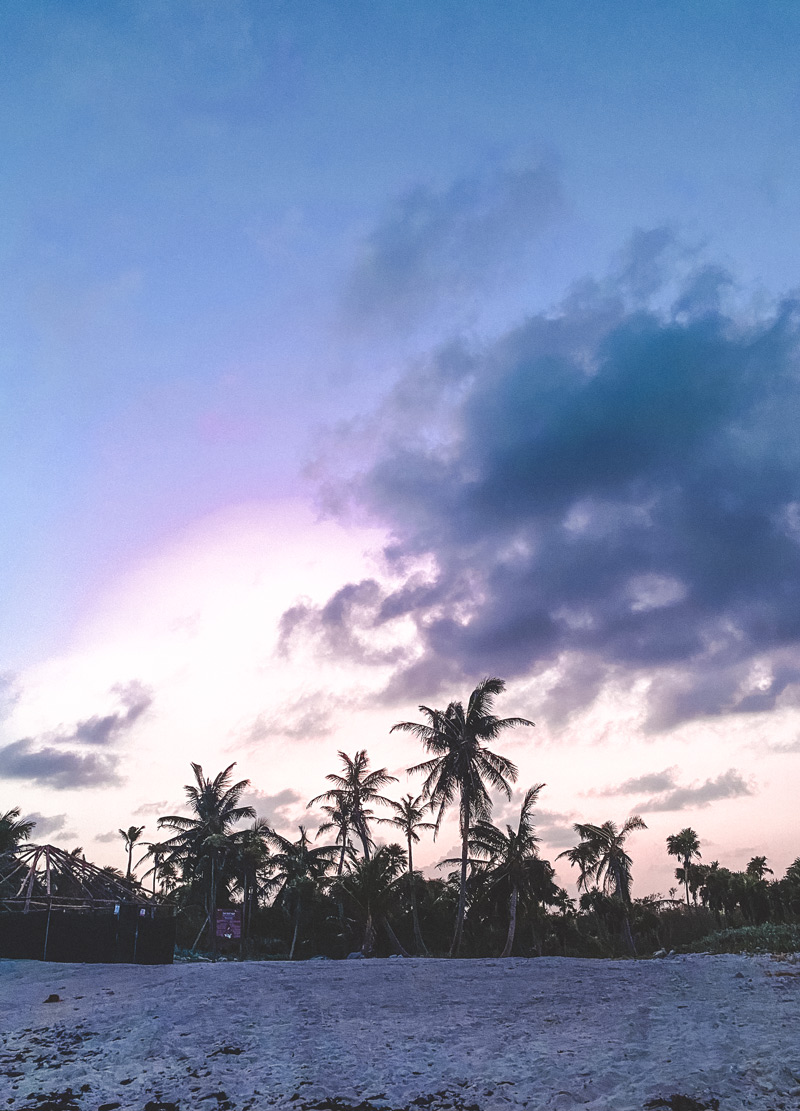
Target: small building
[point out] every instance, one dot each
(55, 906)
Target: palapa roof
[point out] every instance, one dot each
(37, 877)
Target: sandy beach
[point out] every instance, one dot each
(494, 1035)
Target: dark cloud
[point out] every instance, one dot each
(54, 767)
(102, 730)
(50, 760)
(728, 785)
(336, 627)
(609, 490)
(654, 781)
(666, 793)
(48, 825)
(107, 838)
(436, 247)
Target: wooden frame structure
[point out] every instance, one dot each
(58, 906)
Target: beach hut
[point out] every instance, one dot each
(57, 906)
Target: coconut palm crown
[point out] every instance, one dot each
(352, 794)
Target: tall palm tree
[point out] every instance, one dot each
(461, 768)
(354, 791)
(299, 870)
(686, 846)
(511, 858)
(202, 843)
(408, 817)
(602, 857)
(130, 836)
(14, 830)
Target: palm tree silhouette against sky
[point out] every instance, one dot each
(685, 845)
(372, 884)
(299, 869)
(512, 858)
(601, 856)
(408, 817)
(13, 830)
(352, 795)
(203, 843)
(130, 836)
(463, 769)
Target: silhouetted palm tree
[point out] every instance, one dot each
(130, 836)
(602, 857)
(685, 845)
(372, 883)
(202, 843)
(13, 830)
(462, 767)
(511, 858)
(353, 793)
(251, 861)
(299, 870)
(757, 868)
(408, 817)
(159, 853)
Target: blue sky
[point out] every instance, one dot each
(288, 255)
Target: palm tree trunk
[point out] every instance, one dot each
(130, 860)
(686, 877)
(418, 939)
(395, 940)
(368, 944)
(512, 922)
(213, 911)
(296, 929)
(455, 948)
(628, 935)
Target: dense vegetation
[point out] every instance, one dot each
(340, 891)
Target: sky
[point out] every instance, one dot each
(354, 352)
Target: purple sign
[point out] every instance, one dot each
(229, 923)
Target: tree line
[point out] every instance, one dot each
(341, 891)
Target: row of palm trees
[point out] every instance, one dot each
(461, 770)
(209, 859)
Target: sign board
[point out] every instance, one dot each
(229, 923)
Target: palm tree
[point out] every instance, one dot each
(158, 852)
(130, 836)
(408, 815)
(353, 792)
(13, 830)
(461, 767)
(757, 868)
(601, 856)
(300, 868)
(252, 859)
(372, 883)
(340, 819)
(203, 842)
(511, 858)
(685, 845)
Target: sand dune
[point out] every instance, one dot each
(493, 1035)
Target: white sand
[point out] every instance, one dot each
(547, 1033)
